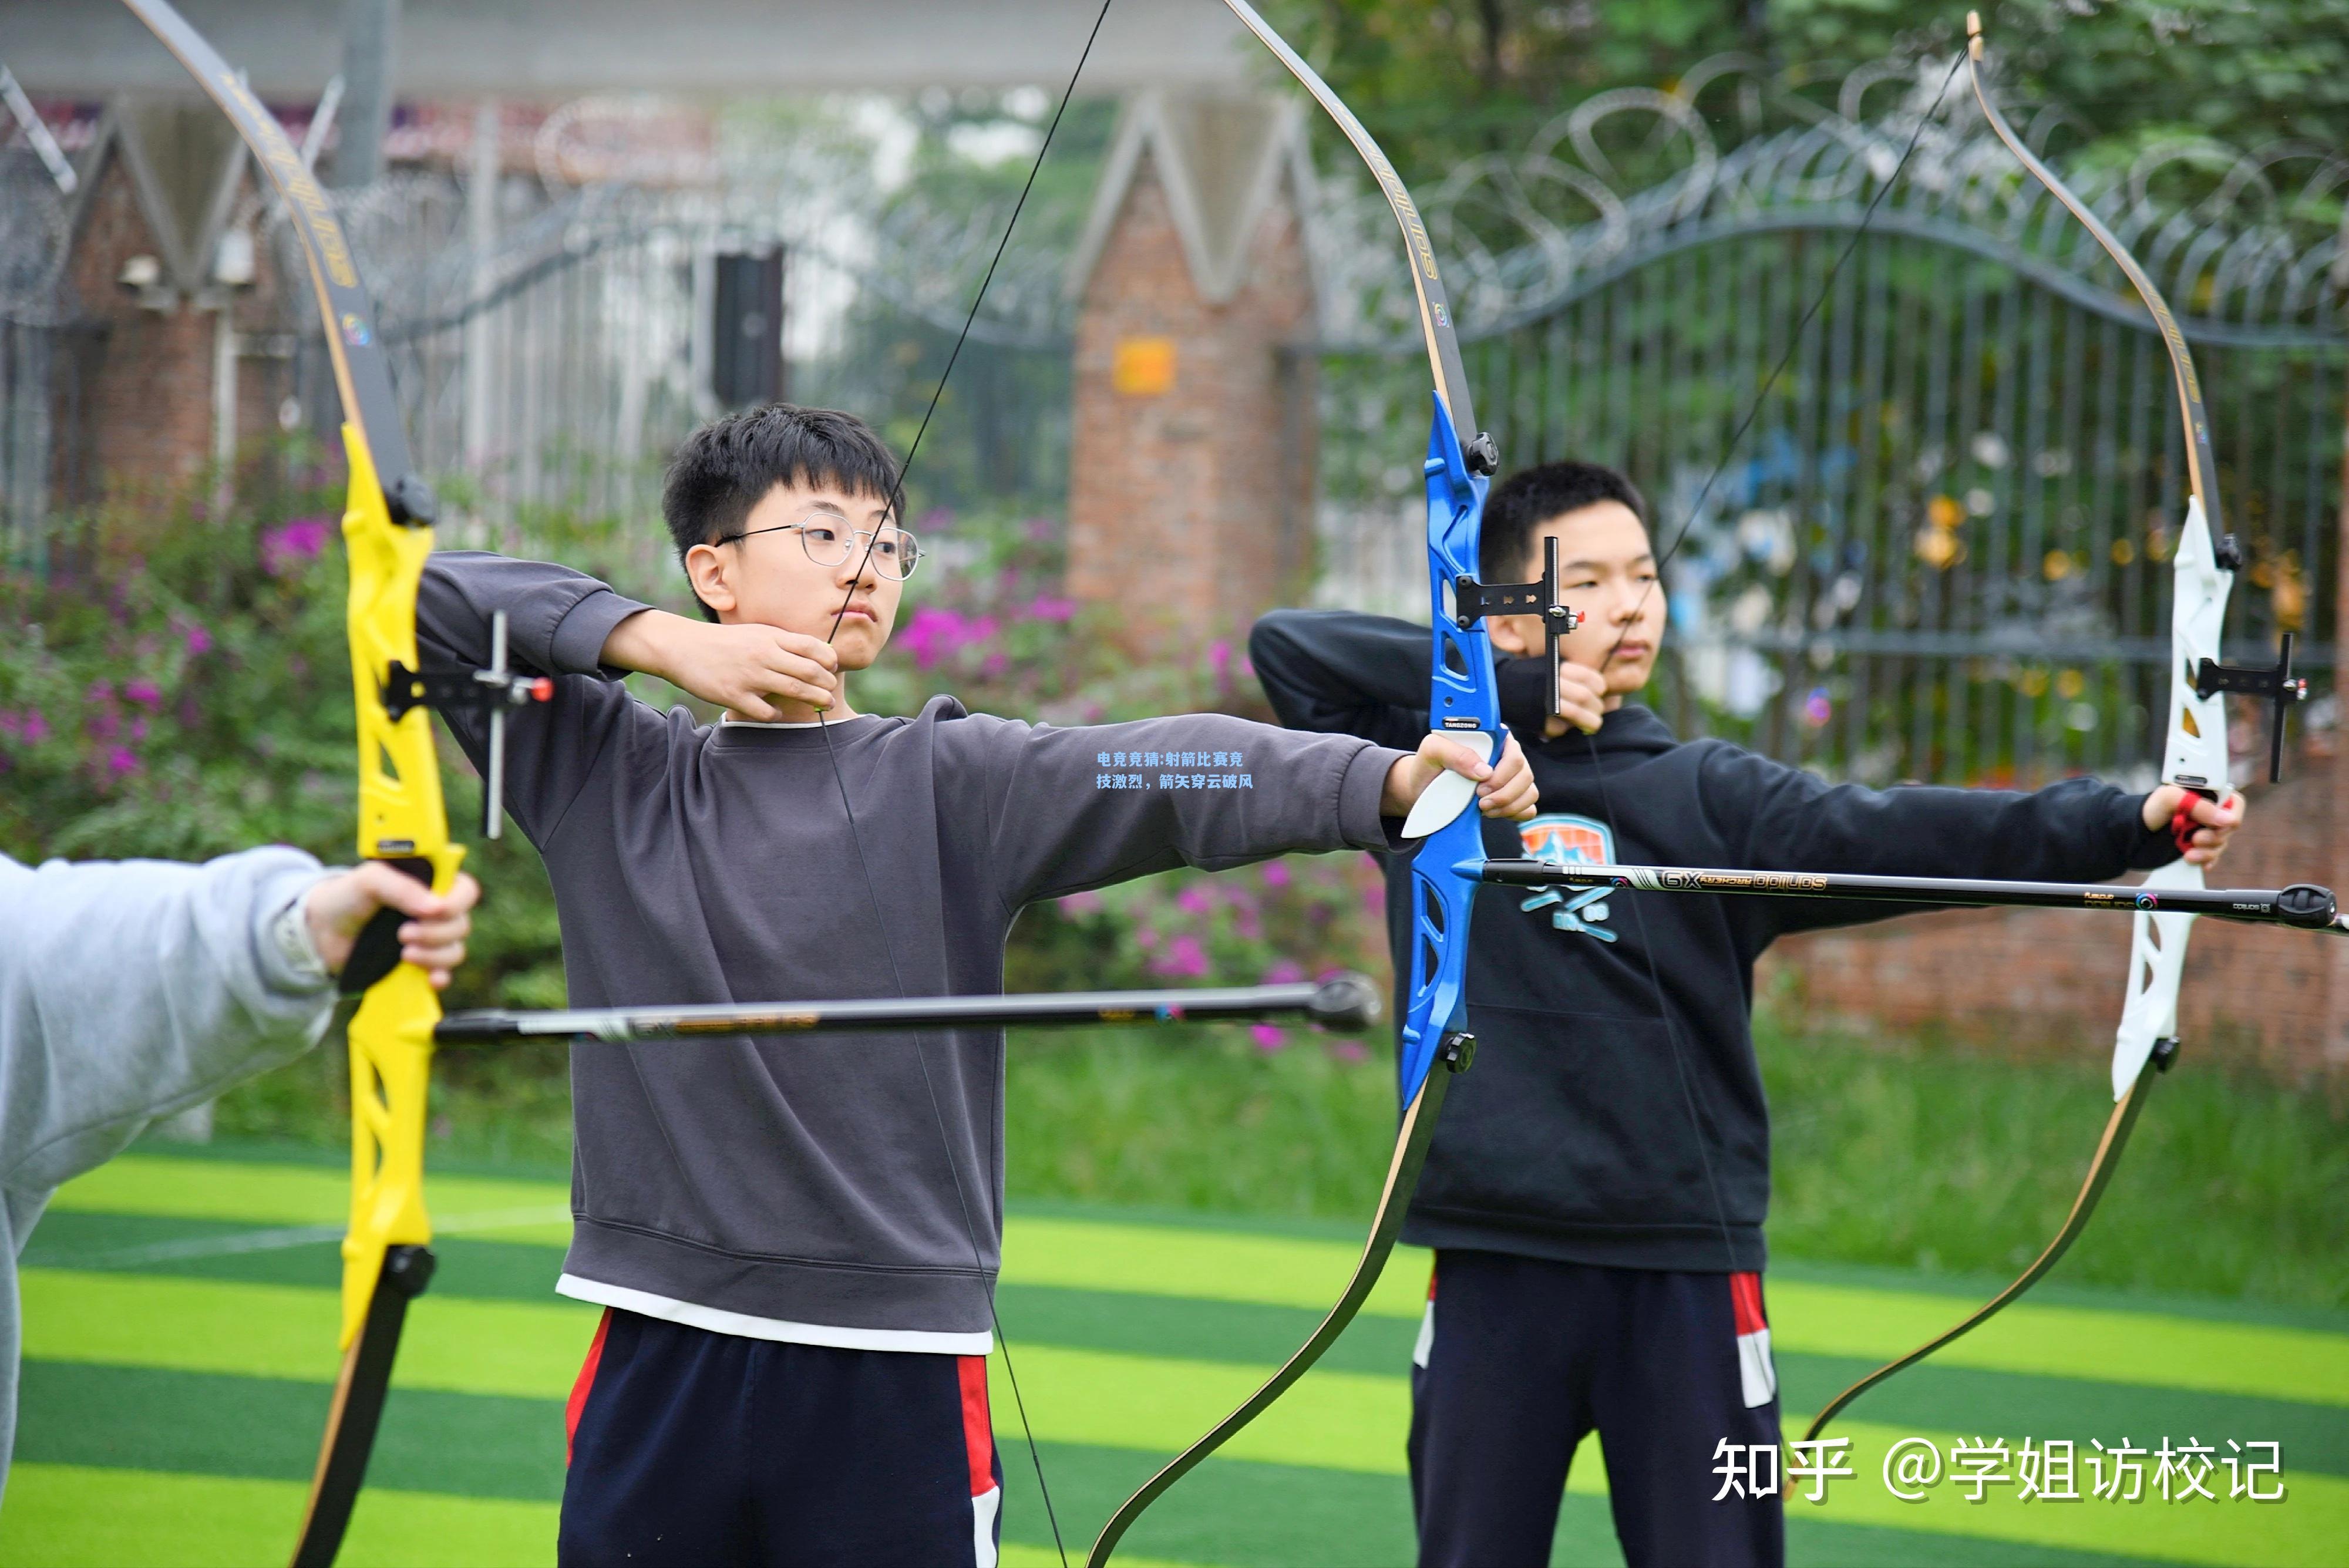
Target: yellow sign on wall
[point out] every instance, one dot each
(1143, 367)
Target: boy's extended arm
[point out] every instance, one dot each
(1344, 673)
(130, 990)
(2077, 830)
(1069, 809)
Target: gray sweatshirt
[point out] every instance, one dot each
(810, 1188)
(129, 990)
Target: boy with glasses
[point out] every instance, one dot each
(795, 1240)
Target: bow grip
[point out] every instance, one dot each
(376, 953)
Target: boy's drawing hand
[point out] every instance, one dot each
(337, 907)
(1503, 789)
(745, 668)
(1581, 700)
(2215, 820)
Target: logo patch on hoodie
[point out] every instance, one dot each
(1565, 840)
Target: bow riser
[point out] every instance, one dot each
(2193, 756)
(402, 819)
(1464, 702)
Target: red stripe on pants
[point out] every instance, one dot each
(1745, 1302)
(977, 1430)
(587, 1381)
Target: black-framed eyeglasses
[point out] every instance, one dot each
(893, 552)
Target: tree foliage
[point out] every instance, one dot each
(1441, 80)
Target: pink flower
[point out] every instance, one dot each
(99, 691)
(1081, 904)
(138, 729)
(199, 641)
(1286, 972)
(285, 549)
(120, 762)
(1268, 1037)
(1048, 606)
(1276, 875)
(1219, 659)
(146, 693)
(930, 634)
(34, 726)
(1183, 958)
(1349, 1050)
(1194, 901)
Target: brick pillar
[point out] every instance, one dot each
(1191, 453)
(146, 421)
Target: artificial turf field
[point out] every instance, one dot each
(179, 1312)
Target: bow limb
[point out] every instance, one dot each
(1464, 703)
(386, 526)
(2194, 755)
(2115, 1138)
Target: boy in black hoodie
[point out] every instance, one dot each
(1597, 1189)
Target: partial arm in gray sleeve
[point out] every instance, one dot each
(133, 989)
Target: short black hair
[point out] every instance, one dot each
(730, 464)
(1521, 503)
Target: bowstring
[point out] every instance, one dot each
(1793, 345)
(840, 780)
(1688, 524)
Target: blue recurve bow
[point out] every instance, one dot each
(1464, 702)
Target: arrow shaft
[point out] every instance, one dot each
(2302, 905)
(1348, 1003)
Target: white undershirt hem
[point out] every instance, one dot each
(918, 1341)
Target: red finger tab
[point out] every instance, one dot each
(2182, 825)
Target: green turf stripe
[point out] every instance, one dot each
(1815, 1544)
(149, 1418)
(220, 1250)
(65, 1516)
(134, 1421)
(2056, 1292)
(261, 1193)
(1272, 1271)
(2063, 1341)
(2305, 1532)
(2315, 1437)
(277, 1331)
(2120, 1345)
(529, 1348)
(1186, 1326)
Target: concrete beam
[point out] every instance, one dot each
(554, 49)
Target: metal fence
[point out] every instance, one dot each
(547, 378)
(1941, 551)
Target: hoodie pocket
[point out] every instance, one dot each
(1573, 1122)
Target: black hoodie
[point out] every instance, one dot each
(1574, 1137)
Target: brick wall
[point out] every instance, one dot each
(1189, 507)
(146, 416)
(2051, 981)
